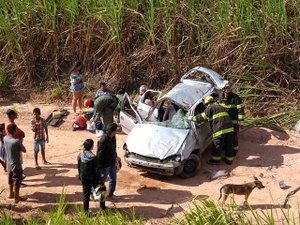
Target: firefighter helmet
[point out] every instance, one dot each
(225, 84)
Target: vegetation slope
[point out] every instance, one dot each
(252, 43)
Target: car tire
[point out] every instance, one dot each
(190, 166)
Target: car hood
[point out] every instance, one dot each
(150, 140)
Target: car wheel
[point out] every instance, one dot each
(190, 166)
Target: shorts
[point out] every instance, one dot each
(77, 87)
(38, 145)
(15, 177)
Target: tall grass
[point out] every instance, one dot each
(276, 14)
(208, 212)
(132, 4)
(205, 211)
(77, 216)
(244, 16)
(154, 41)
(6, 219)
(69, 11)
(112, 11)
(2, 78)
(7, 36)
(222, 13)
(167, 11)
(296, 19)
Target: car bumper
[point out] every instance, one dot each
(163, 168)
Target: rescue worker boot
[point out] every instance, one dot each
(214, 162)
(228, 162)
(235, 152)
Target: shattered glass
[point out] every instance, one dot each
(179, 121)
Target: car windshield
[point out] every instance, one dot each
(179, 121)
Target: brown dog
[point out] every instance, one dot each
(239, 189)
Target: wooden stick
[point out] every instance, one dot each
(289, 195)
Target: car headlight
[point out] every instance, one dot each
(176, 158)
(126, 152)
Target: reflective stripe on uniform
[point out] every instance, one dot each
(220, 132)
(241, 117)
(230, 158)
(218, 115)
(240, 106)
(234, 121)
(216, 158)
(228, 106)
(204, 116)
(236, 148)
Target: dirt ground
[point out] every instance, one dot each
(269, 155)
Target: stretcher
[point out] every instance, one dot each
(56, 117)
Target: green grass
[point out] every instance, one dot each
(203, 211)
(208, 212)
(58, 216)
(252, 43)
(2, 77)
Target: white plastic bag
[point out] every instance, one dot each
(100, 193)
(297, 126)
(90, 126)
(99, 133)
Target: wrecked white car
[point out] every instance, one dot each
(170, 145)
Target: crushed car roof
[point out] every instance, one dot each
(188, 93)
(194, 85)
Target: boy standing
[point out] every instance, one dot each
(39, 127)
(13, 149)
(87, 168)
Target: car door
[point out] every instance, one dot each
(202, 131)
(143, 108)
(129, 117)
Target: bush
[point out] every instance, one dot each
(2, 77)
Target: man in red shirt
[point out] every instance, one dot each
(12, 115)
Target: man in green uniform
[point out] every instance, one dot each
(104, 106)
